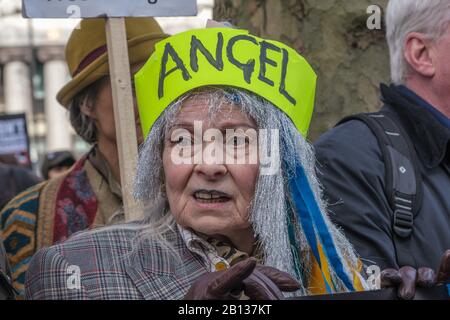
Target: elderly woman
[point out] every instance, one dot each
(223, 218)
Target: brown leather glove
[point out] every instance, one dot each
(267, 283)
(256, 281)
(407, 278)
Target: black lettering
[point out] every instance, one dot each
(263, 61)
(169, 50)
(247, 67)
(283, 78)
(196, 45)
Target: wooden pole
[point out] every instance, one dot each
(123, 112)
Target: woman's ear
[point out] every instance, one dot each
(87, 108)
(418, 54)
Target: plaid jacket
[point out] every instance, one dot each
(101, 265)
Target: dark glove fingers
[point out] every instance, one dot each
(407, 288)
(260, 287)
(443, 274)
(426, 278)
(254, 289)
(233, 278)
(283, 280)
(390, 278)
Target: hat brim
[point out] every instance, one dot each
(140, 49)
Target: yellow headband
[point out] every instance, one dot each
(225, 57)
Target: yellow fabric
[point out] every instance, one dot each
(267, 68)
(357, 283)
(316, 283)
(142, 34)
(220, 266)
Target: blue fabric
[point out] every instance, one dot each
(421, 102)
(312, 221)
(448, 289)
(308, 229)
(294, 249)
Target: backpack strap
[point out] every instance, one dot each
(403, 181)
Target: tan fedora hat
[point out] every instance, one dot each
(87, 56)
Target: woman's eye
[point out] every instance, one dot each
(182, 141)
(239, 141)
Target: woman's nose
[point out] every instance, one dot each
(211, 171)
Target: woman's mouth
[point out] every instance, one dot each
(211, 196)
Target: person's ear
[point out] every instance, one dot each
(418, 54)
(87, 108)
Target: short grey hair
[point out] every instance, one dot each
(84, 125)
(430, 17)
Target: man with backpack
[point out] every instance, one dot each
(386, 175)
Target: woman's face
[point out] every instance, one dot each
(212, 197)
(103, 111)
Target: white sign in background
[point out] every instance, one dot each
(107, 8)
(13, 135)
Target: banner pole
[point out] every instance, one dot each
(123, 112)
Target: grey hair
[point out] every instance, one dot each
(430, 17)
(269, 210)
(84, 125)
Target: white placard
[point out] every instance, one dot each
(107, 8)
(13, 134)
(14, 138)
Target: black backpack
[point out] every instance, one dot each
(402, 179)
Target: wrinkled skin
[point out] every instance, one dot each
(228, 284)
(407, 279)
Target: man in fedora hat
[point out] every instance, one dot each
(89, 194)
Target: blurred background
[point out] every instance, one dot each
(32, 70)
(349, 58)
